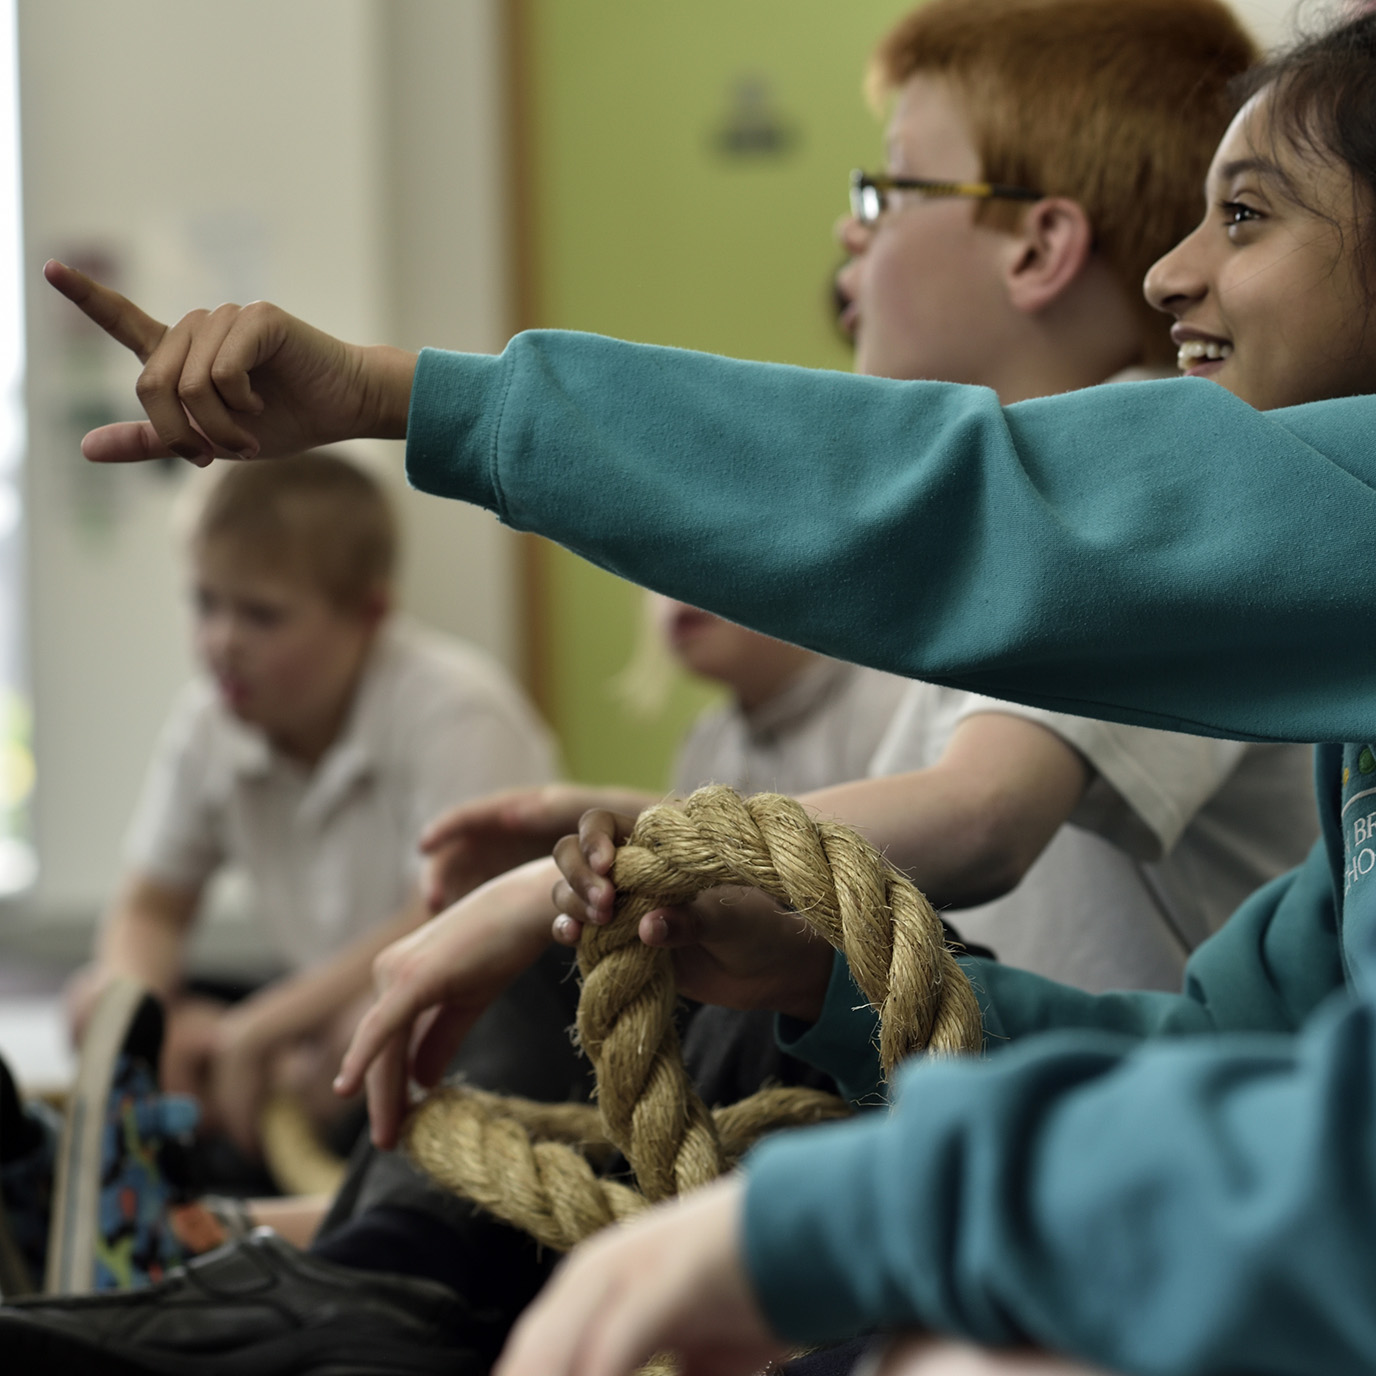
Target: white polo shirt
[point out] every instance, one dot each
(331, 852)
(1172, 834)
(822, 729)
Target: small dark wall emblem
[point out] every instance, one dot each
(754, 126)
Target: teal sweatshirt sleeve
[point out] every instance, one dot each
(1267, 970)
(1111, 552)
(843, 1042)
(1185, 1205)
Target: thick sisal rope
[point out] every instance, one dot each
(529, 1164)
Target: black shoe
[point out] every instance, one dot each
(256, 1307)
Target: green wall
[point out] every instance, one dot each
(644, 227)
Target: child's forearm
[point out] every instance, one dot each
(297, 1005)
(933, 830)
(144, 934)
(387, 374)
(968, 828)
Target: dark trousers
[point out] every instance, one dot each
(388, 1216)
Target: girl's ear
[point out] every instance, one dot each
(1048, 253)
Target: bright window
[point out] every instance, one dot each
(16, 757)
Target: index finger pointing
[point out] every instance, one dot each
(119, 317)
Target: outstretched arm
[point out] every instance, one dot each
(965, 831)
(143, 937)
(1110, 553)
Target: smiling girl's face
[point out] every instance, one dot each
(1268, 296)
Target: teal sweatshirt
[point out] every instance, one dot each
(1120, 1187)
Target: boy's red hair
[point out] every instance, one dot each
(1115, 104)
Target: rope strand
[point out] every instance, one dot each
(529, 1164)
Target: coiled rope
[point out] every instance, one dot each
(531, 1165)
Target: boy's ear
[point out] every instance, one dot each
(1048, 253)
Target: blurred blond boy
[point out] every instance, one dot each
(322, 736)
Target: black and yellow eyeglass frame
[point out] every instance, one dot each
(869, 193)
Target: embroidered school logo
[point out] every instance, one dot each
(1359, 814)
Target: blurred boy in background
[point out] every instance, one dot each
(322, 736)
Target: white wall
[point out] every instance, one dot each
(1271, 21)
(338, 156)
(449, 262)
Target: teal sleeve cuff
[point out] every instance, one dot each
(843, 1042)
(794, 1183)
(453, 425)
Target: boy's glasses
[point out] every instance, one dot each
(869, 196)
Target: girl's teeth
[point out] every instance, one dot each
(1194, 351)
